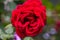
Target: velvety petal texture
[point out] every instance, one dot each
(29, 18)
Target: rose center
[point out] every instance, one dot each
(30, 18)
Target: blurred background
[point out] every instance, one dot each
(49, 32)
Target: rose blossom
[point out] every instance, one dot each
(29, 18)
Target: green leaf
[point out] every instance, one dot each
(28, 38)
(9, 29)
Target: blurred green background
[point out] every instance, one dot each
(6, 29)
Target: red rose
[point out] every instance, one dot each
(29, 18)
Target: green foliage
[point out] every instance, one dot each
(7, 33)
(48, 4)
(28, 38)
(19, 1)
(58, 7)
(1, 7)
(57, 36)
(1, 0)
(50, 21)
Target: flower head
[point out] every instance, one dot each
(29, 18)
